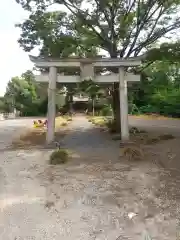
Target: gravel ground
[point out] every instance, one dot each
(94, 196)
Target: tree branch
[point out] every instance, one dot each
(156, 35)
(141, 21)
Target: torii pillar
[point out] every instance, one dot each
(123, 105)
(51, 113)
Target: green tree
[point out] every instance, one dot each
(122, 28)
(159, 89)
(20, 94)
(2, 105)
(56, 35)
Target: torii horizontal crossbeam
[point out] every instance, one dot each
(129, 77)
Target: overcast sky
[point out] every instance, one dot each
(13, 60)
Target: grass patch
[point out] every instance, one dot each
(37, 136)
(159, 138)
(31, 138)
(67, 118)
(98, 121)
(148, 138)
(102, 121)
(59, 156)
(61, 121)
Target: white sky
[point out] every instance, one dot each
(13, 60)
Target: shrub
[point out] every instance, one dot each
(111, 126)
(133, 153)
(148, 109)
(59, 156)
(106, 111)
(134, 130)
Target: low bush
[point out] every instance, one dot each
(111, 126)
(132, 153)
(59, 156)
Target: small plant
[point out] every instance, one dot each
(134, 130)
(132, 153)
(59, 156)
(63, 124)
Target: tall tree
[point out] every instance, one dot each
(122, 28)
(20, 94)
(2, 105)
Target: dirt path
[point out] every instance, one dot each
(90, 143)
(91, 197)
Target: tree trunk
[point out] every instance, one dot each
(71, 104)
(115, 96)
(93, 107)
(116, 107)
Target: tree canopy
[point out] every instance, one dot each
(120, 27)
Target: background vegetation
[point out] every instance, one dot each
(114, 28)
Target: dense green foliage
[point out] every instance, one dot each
(158, 92)
(159, 89)
(22, 94)
(27, 96)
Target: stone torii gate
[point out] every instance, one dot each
(86, 72)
